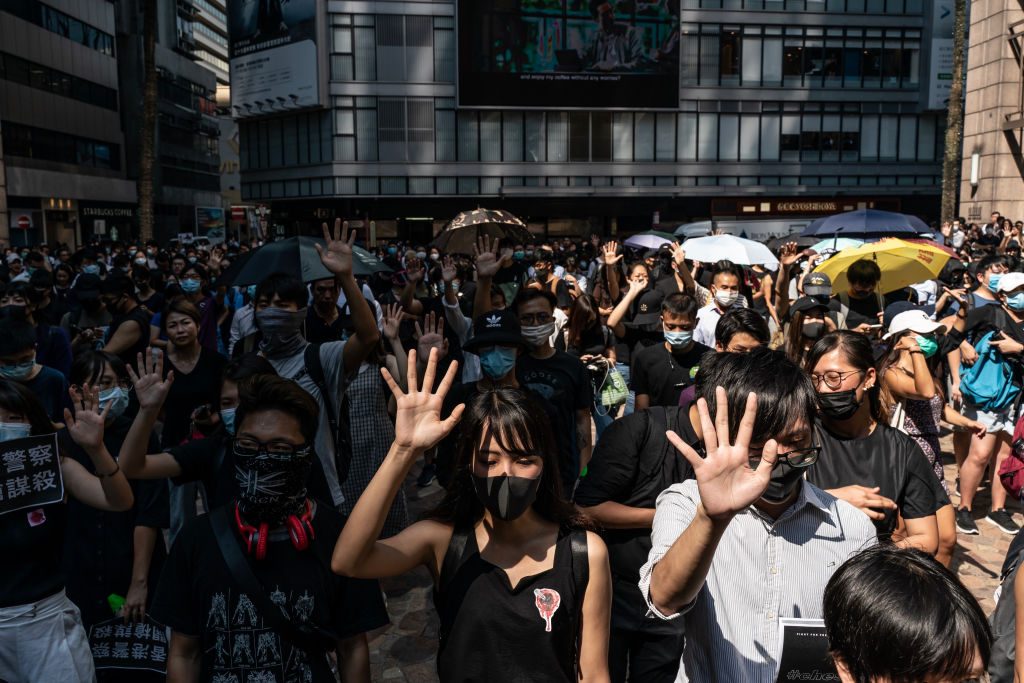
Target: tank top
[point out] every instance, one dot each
(33, 541)
(516, 635)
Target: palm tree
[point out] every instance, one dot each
(951, 161)
(147, 143)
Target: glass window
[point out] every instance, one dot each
(644, 137)
(469, 141)
(926, 138)
(512, 136)
(773, 61)
(770, 137)
(579, 136)
(729, 133)
(687, 137)
(908, 138)
(665, 140)
(490, 136)
(558, 136)
(535, 138)
(749, 138)
(729, 56)
(622, 136)
(444, 134)
(707, 144)
(887, 137)
(751, 61)
(601, 136)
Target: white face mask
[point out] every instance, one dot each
(726, 297)
(538, 335)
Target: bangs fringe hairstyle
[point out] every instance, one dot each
(897, 615)
(858, 352)
(16, 398)
(517, 424)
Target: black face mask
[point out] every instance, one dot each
(270, 489)
(506, 497)
(839, 405)
(13, 312)
(785, 480)
(813, 330)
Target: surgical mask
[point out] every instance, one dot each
(813, 329)
(679, 339)
(434, 256)
(1016, 302)
(190, 286)
(141, 261)
(993, 281)
(519, 255)
(92, 269)
(118, 400)
(282, 331)
(18, 371)
(192, 259)
(498, 362)
(505, 497)
(9, 431)
(726, 297)
(227, 418)
(839, 405)
(538, 335)
(251, 290)
(785, 479)
(392, 251)
(269, 488)
(421, 255)
(929, 347)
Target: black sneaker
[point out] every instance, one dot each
(429, 473)
(965, 523)
(1003, 520)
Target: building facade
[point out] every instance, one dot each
(993, 166)
(784, 109)
(60, 117)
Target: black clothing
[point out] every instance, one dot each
(594, 341)
(33, 544)
(154, 303)
(198, 596)
(99, 545)
(139, 317)
(189, 391)
(318, 331)
(647, 655)
(51, 313)
(502, 634)
(888, 459)
(864, 310)
(662, 374)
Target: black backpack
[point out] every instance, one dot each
(337, 417)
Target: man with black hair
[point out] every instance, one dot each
(860, 308)
(18, 364)
(748, 542)
(326, 320)
(726, 279)
(990, 270)
(49, 309)
(270, 549)
(615, 46)
(741, 330)
(128, 334)
(660, 372)
(544, 270)
(556, 375)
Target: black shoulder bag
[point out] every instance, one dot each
(315, 641)
(336, 418)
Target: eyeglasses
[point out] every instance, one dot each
(251, 448)
(535, 319)
(833, 379)
(800, 457)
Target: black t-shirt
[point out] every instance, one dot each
(662, 374)
(864, 310)
(33, 545)
(140, 317)
(633, 463)
(668, 286)
(318, 331)
(564, 381)
(51, 388)
(593, 341)
(99, 546)
(188, 392)
(888, 459)
(198, 596)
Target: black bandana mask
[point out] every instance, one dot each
(271, 488)
(506, 497)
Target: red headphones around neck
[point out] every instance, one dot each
(300, 531)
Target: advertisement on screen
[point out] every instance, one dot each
(569, 53)
(273, 56)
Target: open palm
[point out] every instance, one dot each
(86, 424)
(337, 254)
(151, 387)
(726, 482)
(418, 423)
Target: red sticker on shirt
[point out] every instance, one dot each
(36, 517)
(547, 601)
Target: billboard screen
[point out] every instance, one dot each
(273, 56)
(569, 53)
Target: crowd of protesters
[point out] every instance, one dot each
(649, 462)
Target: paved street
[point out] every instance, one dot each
(405, 651)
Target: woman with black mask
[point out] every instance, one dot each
(810, 322)
(863, 461)
(507, 552)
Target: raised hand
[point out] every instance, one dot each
(636, 287)
(414, 270)
(337, 254)
(487, 261)
(608, 255)
(678, 254)
(151, 387)
(726, 482)
(392, 320)
(789, 254)
(418, 423)
(86, 424)
(448, 269)
(431, 336)
(907, 343)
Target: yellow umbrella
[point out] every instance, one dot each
(902, 263)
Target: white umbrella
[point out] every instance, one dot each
(730, 248)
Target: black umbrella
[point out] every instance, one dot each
(460, 236)
(802, 242)
(297, 256)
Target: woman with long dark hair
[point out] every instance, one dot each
(587, 338)
(863, 460)
(809, 323)
(41, 633)
(522, 588)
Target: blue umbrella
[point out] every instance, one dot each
(864, 222)
(835, 244)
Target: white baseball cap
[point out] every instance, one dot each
(1010, 282)
(913, 321)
